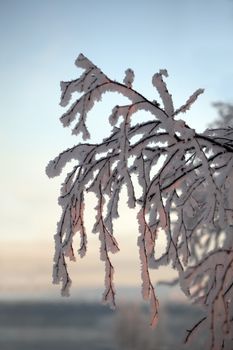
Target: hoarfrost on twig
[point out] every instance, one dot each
(186, 182)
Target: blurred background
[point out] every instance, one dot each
(39, 44)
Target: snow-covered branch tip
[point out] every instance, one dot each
(186, 182)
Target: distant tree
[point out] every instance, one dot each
(225, 118)
(186, 182)
(132, 331)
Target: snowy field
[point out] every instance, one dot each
(59, 326)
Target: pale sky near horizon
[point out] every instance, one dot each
(40, 41)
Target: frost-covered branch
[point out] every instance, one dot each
(186, 182)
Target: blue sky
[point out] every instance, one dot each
(39, 43)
